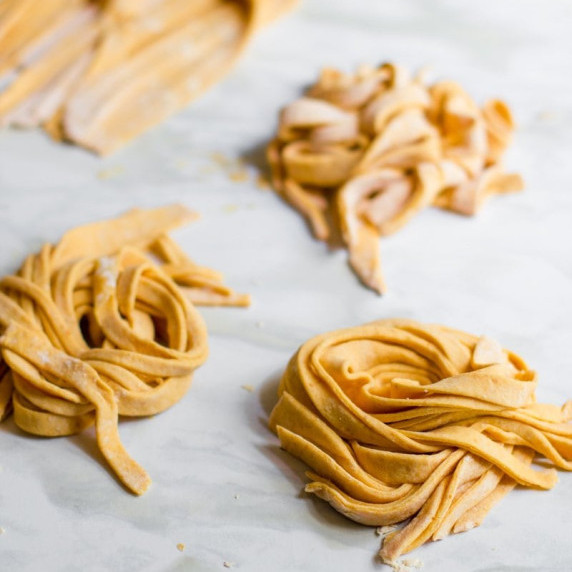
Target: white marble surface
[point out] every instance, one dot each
(221, 485)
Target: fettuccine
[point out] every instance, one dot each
(101, 72)
(103, 324)
(360, 155)
(399, 420)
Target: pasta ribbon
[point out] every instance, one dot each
(104, 324)
(402, 422)
(360, 155)
(101, 72)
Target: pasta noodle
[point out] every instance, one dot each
(100, 73)
(399, 420)
(104, 324)
(360, 155)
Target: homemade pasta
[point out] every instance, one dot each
(103, 324)
(360, 155)
(400, 421)
(101, 72)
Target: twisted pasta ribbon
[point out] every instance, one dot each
(102, 325)
(399, 420)
(364, 153)
(100, 73)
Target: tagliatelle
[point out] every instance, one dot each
(399, 420)
(360, 155)
(103, 324)
(100, 73)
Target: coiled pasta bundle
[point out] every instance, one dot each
(399, 420)
(103, 324)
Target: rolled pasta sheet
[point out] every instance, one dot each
(104, 324)
(360, 155)
(399, 420)
(100, 73)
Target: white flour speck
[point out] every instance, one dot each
(107, 271)
(43, 357)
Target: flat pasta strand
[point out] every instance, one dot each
(99, 73)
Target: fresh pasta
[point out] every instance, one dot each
(360, 155)
(104, 324)
(99, 73)
(402, 422)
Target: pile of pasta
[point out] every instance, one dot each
(401, 421)
(360, 155)
(104, 324)
(101, 72)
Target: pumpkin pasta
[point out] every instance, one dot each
(360, 155)
(101, 72)
(104, 324)
(406, 422)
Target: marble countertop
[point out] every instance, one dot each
(221, 485)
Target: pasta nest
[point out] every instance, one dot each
(102, 325)
(400, 420)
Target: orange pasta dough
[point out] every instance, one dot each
(360, 155)
(104, 324)
(402, 422)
